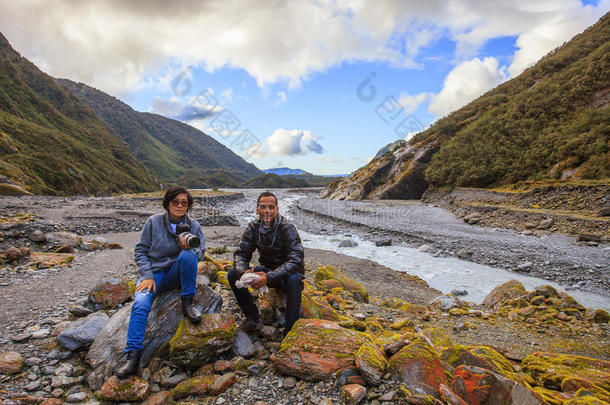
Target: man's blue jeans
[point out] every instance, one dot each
(182, 274)
(292, 285)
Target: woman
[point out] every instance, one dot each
(165, 261)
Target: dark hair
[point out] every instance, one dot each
(266, 194)
(173, 192)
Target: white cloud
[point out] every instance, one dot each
(466, 82)
(411, 102)
(256, 151)
(293, 142)
(281, 98)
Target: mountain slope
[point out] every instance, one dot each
(51, 143)
(550, 122)
(171, 149)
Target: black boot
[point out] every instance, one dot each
(189, 311)
(131, 364)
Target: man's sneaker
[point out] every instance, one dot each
(250, 325)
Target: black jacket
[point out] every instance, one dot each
(279, 247)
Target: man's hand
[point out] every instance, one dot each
(183, 243)
(147, 285)
(261, 281)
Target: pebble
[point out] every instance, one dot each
(41, 334)
(289, 382)
(22, 337)
(76, 397)
(33, 386)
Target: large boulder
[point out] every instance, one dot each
(418, 366)
(509, 290)
(480, 356)
(106, 352)
(328, 277)
(479, 386)
(550, 369)
(194, 345)
(109, 294)
(82, 333)
(314, 349)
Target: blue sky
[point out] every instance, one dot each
(315, 85)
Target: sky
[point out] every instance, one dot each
(315, 85)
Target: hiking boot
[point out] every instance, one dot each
(250, 325)
(131, 364)
(189, 311)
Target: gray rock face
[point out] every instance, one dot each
(82, 333)
(243, 345)
(166, 313)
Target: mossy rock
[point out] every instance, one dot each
(576, 384)
(196, 344)
(552, 397)
(437, 336)
(597, 315)
(404, 306)
(371, 362)
(222, 278)
(550, 369)
(196, 386)
(508, 290)
(317, 307)
(353, 324)
(355, 289)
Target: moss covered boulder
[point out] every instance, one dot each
(328, 277)
(109, 294)
(509, 290)
(550, 369)
(479, 386)
(597, 315)
(418, 366)
(204, 385)
(317, 307)
(315, 349)
(404, 306)
(371, 362)
(131, 389)
(196, 344)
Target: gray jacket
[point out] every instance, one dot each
(157, 249)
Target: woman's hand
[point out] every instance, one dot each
(183, 243)
(147, 285)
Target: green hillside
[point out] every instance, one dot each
(51, 143)
(174, 151)
(551, 122)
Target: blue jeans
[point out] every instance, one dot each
(182, 274)
(292, 285)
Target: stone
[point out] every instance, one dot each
(371, 362)
(81, 333)
(480, 356)
(37, 236)
(243, 345)
(426, 249)
(106, 352)
(464, 254)
(222, 383)
(173, 380)
(12, 253)
(525, 267)
(51, 401)
(459, 292)
(32, 361)
(349, 375)
(450, 397)
(41, 334)
(418, 366)
(10, 363)
(62, 381)
(196, 386)
(316, 307)
(445, 302)
(131, 389)
(509, 290)
(159, 398)
(348, 243)
(328, 277)
(478, 386)
(196, 344)
(64, 239)
(383, 242)
(597, 315)
(546, 223)
(33, 386)
(352, 394)
(109, 294)
(587, 237)
(79, 310)
(550, 369)
(289, 383)
(315, 349)
(59, 354)
(76, 397)
(22, 337)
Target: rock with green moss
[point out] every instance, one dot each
(418, 366)
(316, 307)
(315, 349)
(404, 306)
(575, 384)
(131, 389)
(552, 397)
(597, 315)
(196, 344)
(371, 362)
(328, 277)
(509, 290)
(437, 336)
(196, 386)
(550, 369)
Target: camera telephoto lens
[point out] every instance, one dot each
(191, 240)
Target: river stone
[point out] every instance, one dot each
(37, 236)
(445, 302)
(76, 397)
(159, 398)
(315, 349)
(165, 315)
(348, 243)
(109, 293)
(418, 366)
(477, 385)
(79, 310)
(243, 345)
(508, 290)
(81, 333)
(64, 239)
(194, 345)
(352, 394)
(10, 363)
(131, 389)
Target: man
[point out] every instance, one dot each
(281, 259)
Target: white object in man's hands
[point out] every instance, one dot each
(248, 279)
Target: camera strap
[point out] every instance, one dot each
(170, 232)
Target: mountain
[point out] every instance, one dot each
(285, 171)
(174, 151)
(551, 122)
(51, 143)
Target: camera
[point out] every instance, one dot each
(184, 230)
